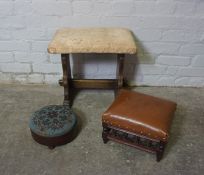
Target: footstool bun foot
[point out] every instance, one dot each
(51, 147)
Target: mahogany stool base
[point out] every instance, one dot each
(52, 142)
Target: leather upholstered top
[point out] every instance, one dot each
(92, 40)
(141, 114)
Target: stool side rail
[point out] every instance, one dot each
(138, 141)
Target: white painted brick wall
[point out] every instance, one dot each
(169, 36)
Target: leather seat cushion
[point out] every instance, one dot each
(141, 114)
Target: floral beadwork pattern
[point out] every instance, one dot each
(52, 120)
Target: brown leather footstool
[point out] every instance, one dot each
(139, 120)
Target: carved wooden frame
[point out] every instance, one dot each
(68, 82)
(134, 140)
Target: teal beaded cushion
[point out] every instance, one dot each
(52, 121)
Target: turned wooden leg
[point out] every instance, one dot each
(119, 72)
(66, 77)
(160, 152)
(105, 133)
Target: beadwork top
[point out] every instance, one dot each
(52, 121)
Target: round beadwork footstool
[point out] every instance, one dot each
(53, 125)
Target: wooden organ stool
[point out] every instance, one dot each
(67, 41)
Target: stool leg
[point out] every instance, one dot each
(160, 152)
(66, 77)
(105, 133)
(119, 72)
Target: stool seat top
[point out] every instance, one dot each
(141, 114)
(93, 40)
(52, 121)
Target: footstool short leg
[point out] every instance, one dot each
(160, 152)
(105, 139)
(159, 155)
(119, 73)
(105, 134)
